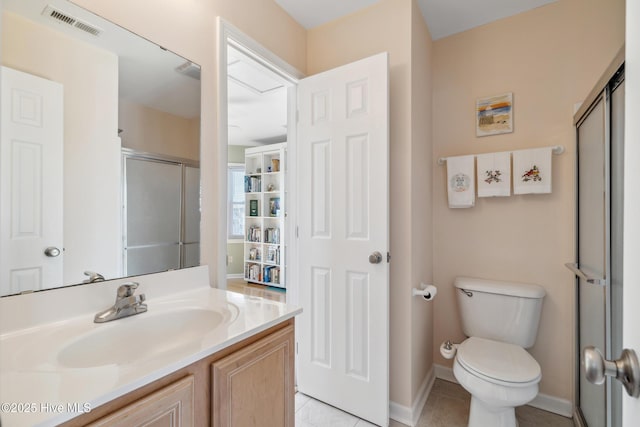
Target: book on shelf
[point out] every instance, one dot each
(272, 235)
(253, 272)
(271, 274)
(252, 184)
(253, 208)
(254, 254)
(273, 254)
(253, 234)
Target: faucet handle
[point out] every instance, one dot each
(127, 289)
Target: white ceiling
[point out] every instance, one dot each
(443, 17)
(257, 102)
(147, 72)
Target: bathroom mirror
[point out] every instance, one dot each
(99, 177)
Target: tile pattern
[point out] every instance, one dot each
(447, 405)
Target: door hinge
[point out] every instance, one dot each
(388, 257)
(297, 234)
(296, 347)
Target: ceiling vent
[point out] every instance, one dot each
(68, 19)
(190, 69)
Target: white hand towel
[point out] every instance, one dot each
(460, 181)
(494, 174)
(532, 171)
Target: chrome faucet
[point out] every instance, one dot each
(93, 277)
(127, 304)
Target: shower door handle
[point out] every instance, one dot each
(584, 276)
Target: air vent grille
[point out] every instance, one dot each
(68, 19)
(189, 69)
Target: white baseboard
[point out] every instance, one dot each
(410, 416)
(577, 420)
(444, 373)
(235, 276)
(542, 401)
(553, 404)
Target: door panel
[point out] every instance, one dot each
(591, 253)
(343, 201)
(31, 157)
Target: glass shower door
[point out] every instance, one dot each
(153, 216)
(593, 239)
(600, 247)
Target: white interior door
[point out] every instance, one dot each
(31, 156)
(631, 314)
(343, 186)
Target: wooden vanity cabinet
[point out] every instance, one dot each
(249, 384)
(255, 385)
(170, 406)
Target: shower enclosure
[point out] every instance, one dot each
(600, 154)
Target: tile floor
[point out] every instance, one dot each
(447, 405)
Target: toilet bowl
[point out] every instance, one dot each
(499, 376)
(501, 320)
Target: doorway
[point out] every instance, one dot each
(258, 86)
(337, 211)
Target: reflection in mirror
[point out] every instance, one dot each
(99, 151)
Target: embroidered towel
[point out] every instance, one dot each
(494, 174)
(532, 171)
(460, 182)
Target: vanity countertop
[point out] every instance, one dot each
(46, 378)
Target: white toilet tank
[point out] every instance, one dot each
(502, 311)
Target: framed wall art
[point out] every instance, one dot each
(494, 115)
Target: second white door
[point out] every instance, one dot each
(31, 183)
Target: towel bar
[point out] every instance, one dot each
(556, 149)
(581, 274)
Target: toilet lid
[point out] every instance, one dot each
(498, 361)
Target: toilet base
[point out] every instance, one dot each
(481, 415)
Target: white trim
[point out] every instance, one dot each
(553, 404)
(542, 401)
(228, 34)
(444, 373)
(235, 276)
(410, 416)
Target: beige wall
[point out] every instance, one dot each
(393, 26)
(422, 324)
(549, 58)
(188, 27)
(153, 131)
(90, 139)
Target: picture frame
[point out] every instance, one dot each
(494, 115)
(274, 206)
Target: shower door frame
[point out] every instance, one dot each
(602, 92)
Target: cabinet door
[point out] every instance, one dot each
(254, 386)
(170, 406)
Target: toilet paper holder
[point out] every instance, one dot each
(428, 292)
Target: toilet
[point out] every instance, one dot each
(501, 320)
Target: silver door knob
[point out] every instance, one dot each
(52, 251)
(626, 369)
(375, 258)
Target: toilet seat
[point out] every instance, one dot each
(498, 362)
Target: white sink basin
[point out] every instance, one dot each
(141, 336)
